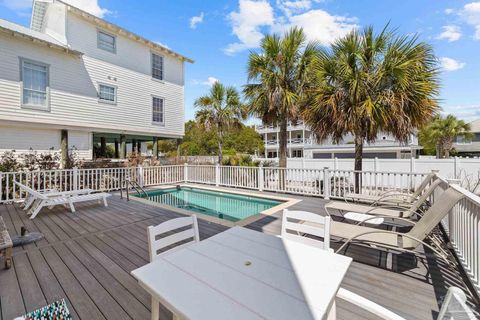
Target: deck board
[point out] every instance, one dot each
(86, 257)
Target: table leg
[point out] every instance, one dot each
(155, 309)
(332, 313)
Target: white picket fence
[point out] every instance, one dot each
(462, 225)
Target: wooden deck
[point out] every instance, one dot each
(87, 257)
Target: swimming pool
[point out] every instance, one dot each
(222, 205)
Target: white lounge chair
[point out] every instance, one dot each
(393, 197)
(397, 241)
(383, 210)
(30, 198)
(187, 236)
(42, 200)
(297, 225)
(453, 307)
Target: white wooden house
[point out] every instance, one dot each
(73, 79)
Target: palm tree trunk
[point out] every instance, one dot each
(220, 147)
(283, 144)
(358, 162)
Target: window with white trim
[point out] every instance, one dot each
(107, 93)
(157, 110)
(106, 41)
(35, 83)
(157, 66)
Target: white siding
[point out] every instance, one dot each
(73, 92)
(22, 139)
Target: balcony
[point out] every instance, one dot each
(87, 256)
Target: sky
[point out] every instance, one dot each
(218, 35)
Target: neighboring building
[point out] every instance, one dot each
(302, 144)
(470, 147)
(73, 77)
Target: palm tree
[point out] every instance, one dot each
(221, 109)
(443, 131)
(278, 76)
(370, 83)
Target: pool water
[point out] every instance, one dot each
(223, 205)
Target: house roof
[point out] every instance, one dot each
(39, 10)
(17, 30)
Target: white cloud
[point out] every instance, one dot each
(90, 6)
(195, 20)
(450, 33)
(449, 64)
(449, 11)
(209, 82)
(162, 44)
(247, 22)
(320, 26)
(471, 14)
(253, 15)
(464, 112)
(17, 5)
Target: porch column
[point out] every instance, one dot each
(123, 147)
(134, 145)
(63, 148)
(103, 147)
(139, 147)
(117, 155)
(155, 148)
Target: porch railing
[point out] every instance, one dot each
(462, 224)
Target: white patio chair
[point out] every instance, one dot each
(297, 225)
(188, 235)
(454, 306)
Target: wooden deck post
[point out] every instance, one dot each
(103, 147)
(123, 147)
(155, 148)
(63, 148)
(117, 155)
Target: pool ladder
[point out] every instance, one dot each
(135, 185)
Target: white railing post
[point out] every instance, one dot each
(185, 172)
(326, 183)
(260, 178)
(455, 167)
(217, 174)
(140, 173)
(75, 178)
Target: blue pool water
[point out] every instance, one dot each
(223, 205)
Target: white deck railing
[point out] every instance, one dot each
(462, 225)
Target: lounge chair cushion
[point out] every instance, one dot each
(343, 206)
(394, 199)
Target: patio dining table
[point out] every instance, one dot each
(245, 274)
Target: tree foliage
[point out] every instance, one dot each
(440, 134)
(370, 83)
(279, 75)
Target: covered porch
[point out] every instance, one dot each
(118, 146)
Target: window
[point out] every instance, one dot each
(107, 93)
(106, 42)
(157, 110)
(157, 66)
(297, 154)
(35, 84)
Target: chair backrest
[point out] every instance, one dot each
(32, 192)
(424, 184)
(440, 208)
(170, 234)
(424, 196)
(296, 225)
